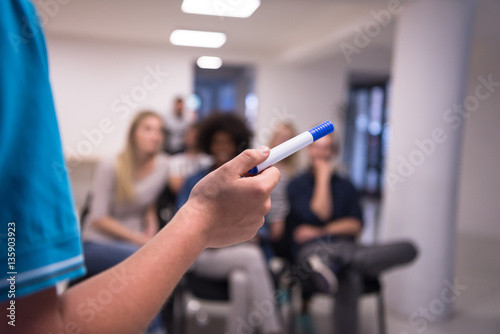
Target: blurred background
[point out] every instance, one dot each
(412, 87)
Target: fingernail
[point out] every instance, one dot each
(263, 149)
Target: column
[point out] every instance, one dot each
(429, 74)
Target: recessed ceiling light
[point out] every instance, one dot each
(202, 39)
(209, 62)
(230, 8)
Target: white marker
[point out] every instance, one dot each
(291, 146)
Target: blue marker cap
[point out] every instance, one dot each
(321, 130)
(253, 171)
(293, 145)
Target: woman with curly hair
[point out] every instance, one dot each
(224, 136)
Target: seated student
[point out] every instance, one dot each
(223, 136)
(183, 165)
(324, 208)
(121, 215)
(272, 231)
(326, 217)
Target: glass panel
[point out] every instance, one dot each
(367, 135)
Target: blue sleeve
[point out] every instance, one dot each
(183, 195)
(36, 206)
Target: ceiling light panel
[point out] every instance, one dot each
(207, 62)
(229, 8)
(202, 39)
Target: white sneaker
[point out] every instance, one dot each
(324, 277)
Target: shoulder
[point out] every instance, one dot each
(178, 159)
(193, 179)
(342, 181)
(301, 178)
(163, 159)
(344, 185)
(162, 167)
(299, 182)
(205, 160)
(285, 175)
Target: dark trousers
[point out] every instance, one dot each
(102, 256)
(352, 264)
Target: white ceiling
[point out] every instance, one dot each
(280, 29)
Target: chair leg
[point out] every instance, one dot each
(179, 310)
(167, 315)
(345, 314)
(291, 310)
(381, 313)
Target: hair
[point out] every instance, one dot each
(335, 143)
(126, 163)
(289, 161)
(229, 123)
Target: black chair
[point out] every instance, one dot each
(166, 206)
(372, 285)
(206, 289)
(346, 320)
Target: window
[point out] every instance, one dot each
(367, 135)
(224, 89)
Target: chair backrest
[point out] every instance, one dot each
(166, 206)
(205, 288)
(85, 209)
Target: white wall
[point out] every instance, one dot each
(306, 94)
(91, 81)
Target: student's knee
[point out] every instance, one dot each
(253, 256)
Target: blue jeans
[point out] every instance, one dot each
(102, 256)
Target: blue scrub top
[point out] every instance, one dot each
(36, 205)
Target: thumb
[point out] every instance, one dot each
(247, 159)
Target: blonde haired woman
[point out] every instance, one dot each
(279, 202)
(121, 215)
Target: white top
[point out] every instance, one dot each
(176, 126)
(131, 214)
(184, 164)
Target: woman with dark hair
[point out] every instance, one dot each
(224, 136)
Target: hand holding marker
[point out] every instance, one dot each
(291, 146)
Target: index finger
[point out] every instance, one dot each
(246, 160)
(270, 177)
